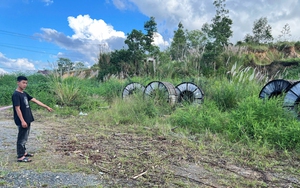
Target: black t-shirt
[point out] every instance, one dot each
(22, 100)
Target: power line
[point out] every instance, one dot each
(34, 37)
(17, 45)
(27, 50)
(18, 34)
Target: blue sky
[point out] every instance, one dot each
(35, 33)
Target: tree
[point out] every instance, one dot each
(114, 63)
(135, 42)
(285, 32)
(218, 34)
(221, 27)
(151, 29)
(261, 32)
(64, 65)
(196, 39)
(249, 39)
(79, 66)
(178, 45)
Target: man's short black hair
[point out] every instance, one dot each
(20, 78)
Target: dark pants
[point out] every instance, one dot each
(22, 139)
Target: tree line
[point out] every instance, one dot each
(190, 52)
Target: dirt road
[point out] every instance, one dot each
(14, 174)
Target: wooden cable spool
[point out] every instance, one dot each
(275, 88)
(132, 88)
(292, 97)
(189, 92)
(161, 91)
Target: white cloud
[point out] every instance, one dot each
(193, 14)
(20, 64)
(87, 28)
(119, 4)
(2, 71)
(90, 36)
(47, 2)
(160, 42)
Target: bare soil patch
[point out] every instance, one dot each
(131, 156)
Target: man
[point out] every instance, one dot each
(23, 117)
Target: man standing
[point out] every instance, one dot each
(23, 117)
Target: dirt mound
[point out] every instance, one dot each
(289, 52)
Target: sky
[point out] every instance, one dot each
(34, 34)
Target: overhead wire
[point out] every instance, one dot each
(27, 49)
(16, 46)
(20, 47)
(18, 34)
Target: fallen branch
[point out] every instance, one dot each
(135, 177)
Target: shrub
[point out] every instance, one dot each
(199, 118)
(297, 45)
(67, 91)
(264, 122)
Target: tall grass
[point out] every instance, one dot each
(132, 111)
(231, 106)
(264, 122)
(67, 91)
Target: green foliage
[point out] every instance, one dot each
(253, 47)
(38, 87)
(114, 63)
(291, 60)
(134, 110)
(221, 26)
(110, 89)
(67, 91)
(151, 28)
(199, 119)
(5, 95)
(176, 69)
(284, 45)
(265, 122)
(262, 32)
(228, 93)
(178, 45)
(252, 120)
(297, 45)
(196, 40)
(8, 84)
(231, 106)
(292, 73)
(135, 42)
(64, 65)
(218, 33)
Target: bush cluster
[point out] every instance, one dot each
(231, 106)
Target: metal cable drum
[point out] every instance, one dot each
(189, 92)
(275, 88)
(292, 97)
(164, 91)
(132, 88)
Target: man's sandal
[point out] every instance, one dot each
(28, 155)
(25, 160)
